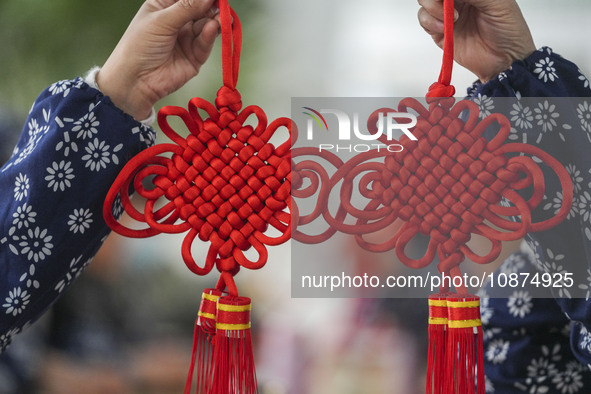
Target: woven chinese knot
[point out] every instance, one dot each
(227, 185)
(450, 184)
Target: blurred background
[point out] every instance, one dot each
(126, 325)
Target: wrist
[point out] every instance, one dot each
(127, 96)
(506, 64)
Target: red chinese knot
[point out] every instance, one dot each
(449, 184)
(224, 183)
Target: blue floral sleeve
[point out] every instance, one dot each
(543, 345)
(73, 145)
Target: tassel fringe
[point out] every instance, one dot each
(202, 352)
(222, 354)
(234, 370)
(456, 358)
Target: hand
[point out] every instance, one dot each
(164, 46)
(489, 35)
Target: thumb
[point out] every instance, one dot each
(183, 11)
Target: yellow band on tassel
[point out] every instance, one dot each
(464, 323)
(206, 315)
(463, 304)
(210, 297)
(223, 326)
(438, 320)
(233, 308)
(437, 302)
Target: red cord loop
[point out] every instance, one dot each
(443, 87)
(440, 90)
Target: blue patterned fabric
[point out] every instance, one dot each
(73, 145)
(543, 345)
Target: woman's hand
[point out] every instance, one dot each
(489, 35)
(164, 46)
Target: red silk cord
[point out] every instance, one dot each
(443, 87)
(225, 183)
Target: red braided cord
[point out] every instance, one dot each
(224, 183)
(443, 87)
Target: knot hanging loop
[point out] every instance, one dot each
(231, 43)
(438, 89)
(228, 98)
(443, 87)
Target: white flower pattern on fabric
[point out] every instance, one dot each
(99, 155)
(28, 278)
(60, 175)
(569, 381)
(556, 203)
(576, 177)
(117, 207)
(21, 187)
(540, 369)
(519, 303)
(583, 79)
(545, 70)
(514, 263)
(552, 368)
(485, 312)
(553, 264)
(6, 338)
(584, 206)
(522, 117)
(50, 195)
(86, 126)
(497, 351)
(584, 115)
(35, 133)
(23, 216)
(546, 117)
(80, 220)
(61, 87)
(36, 244)
(67, 145)
(72, 274)
(485, 105)
(16, 302)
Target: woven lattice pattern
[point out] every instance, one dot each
(447, 183)
(224, 183)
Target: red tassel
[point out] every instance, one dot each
(233, 361)
(464, 369)
(437, 343)
(202, 353)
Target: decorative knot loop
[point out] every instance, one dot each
(440, 90)
(228, 97)
(228, 265)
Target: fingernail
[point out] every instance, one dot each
(456, 15)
